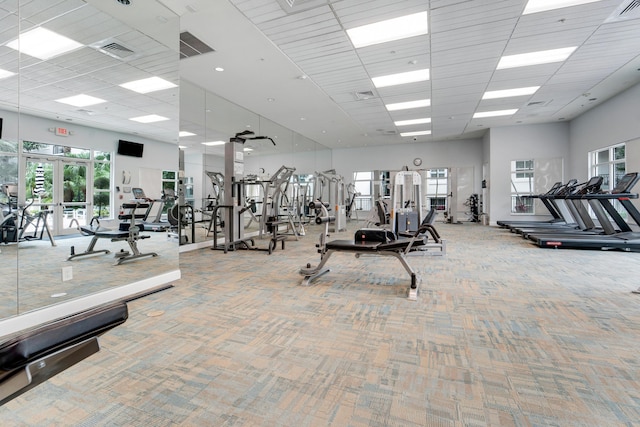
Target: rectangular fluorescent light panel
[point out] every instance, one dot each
(43, 44)
(81, 100)
(151, 118)
(535, 58)
(407, 105)
(151, 84)
(403, 27)
(417, 133)
(413, 122)
(535, 6)
(495, 113)
(184, 133)
(4, 74)
(212, 143)
(401, 78)
(507, 93)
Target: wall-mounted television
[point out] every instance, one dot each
(128, 148)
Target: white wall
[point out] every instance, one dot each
(306, 162)
(466, 153)
(543, 141)
(613, 122)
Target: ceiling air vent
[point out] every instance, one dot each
(115, 49)
(367, 94)
(629, 9)
(539, 103)
(190, 46)
(291, 6)
(87, 112)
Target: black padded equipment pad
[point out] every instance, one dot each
(44, 339)
(349, 245)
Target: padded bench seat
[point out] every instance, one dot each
(350, 245)
(364, 246)
(39, 353)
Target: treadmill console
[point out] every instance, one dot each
(138, 193)
(626, 183)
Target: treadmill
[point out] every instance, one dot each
(557, 216)
(572, 198)
(154, 223)
(626, 239)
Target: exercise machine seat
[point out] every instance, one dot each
(37, 354)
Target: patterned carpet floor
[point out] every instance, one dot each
(503, 334)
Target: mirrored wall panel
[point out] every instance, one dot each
(270, 153)
(89, 101)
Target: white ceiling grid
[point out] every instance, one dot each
(466, 40)
(88, 71)
(303, 58)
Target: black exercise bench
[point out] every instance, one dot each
(37, 354)
(130, 234)
(372, 241)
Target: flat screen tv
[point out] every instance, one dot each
(128, 148)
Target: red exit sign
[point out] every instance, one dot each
(62, 131)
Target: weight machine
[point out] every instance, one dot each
(406, 209)
(331, 185)
(276, 199)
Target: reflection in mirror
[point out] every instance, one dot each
(207, 124)
(73, 106)
(8, 161)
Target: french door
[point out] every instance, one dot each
(56, 191)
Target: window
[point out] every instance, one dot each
(522, 186)
(609, 163)
(102, 184)
(362, 181)
(524, 169)
(169, 182)
(437, 189)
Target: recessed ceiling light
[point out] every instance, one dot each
(417, 133)
(246, 149)
(413, 122)
(401, 78)
(212, 143)
(182, 147)
(43, 44)
(184, 133)
(535, 58)
(150, 84)
(4, 74)
(403, 27)
(495, 113)
(409, 104)
(506, 93)
(81, 100)
(534, 6)
(151, 118)
(219, 69)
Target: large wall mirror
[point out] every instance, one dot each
(207, 123)
(67, 99)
